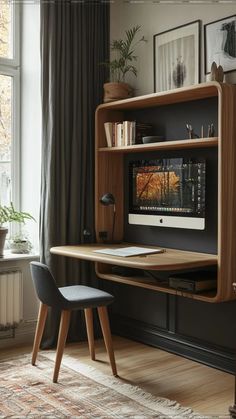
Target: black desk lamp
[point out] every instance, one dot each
(107, 200)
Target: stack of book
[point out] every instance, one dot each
(125, 133)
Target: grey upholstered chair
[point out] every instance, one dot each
(75, 297)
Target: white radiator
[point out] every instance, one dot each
(11, 298)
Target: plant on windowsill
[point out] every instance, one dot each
(121, 66)
(20, 244)
(8, 214)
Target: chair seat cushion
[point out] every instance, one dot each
(80, 296)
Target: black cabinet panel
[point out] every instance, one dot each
(201, 331)
(138, 303)
(211, 323)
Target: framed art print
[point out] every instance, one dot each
(220, 44)
(177, 57)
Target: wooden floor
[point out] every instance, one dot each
(206, 390)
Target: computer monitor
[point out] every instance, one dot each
(168, 192)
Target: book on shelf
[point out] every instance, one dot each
(108, 130)
(126, 133)
(119, 134)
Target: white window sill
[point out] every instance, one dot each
(8, 256)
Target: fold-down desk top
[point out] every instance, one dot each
(171, 259)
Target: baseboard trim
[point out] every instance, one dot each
(142, 332)
(23, 335)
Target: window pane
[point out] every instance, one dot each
(5, 138)
(6, 29)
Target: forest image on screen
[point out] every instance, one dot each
(169, 186)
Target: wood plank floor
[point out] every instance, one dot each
(206, 390)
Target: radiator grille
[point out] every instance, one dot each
(11, 298)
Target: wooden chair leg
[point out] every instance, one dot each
(89, 326)
(64, 326)
(104, 321)
(42, 315)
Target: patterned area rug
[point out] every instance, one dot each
(82, 392)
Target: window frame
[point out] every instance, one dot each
(11, 67)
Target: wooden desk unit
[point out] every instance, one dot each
(203, 104)
(170, 260)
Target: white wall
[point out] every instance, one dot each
(155, 18)
(30, 115)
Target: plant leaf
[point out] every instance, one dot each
(124, 51)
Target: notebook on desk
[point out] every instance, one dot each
(129, 251)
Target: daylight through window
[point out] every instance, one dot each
(9, 97)
(6, 41)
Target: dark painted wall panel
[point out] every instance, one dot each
(170, 120)
(139, 303)
(212, 323)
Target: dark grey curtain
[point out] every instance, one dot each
(74, 41)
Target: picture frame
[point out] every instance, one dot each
(220, 44)
(177, 57)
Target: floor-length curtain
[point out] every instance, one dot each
(74, 41)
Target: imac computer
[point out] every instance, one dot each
(167, 192)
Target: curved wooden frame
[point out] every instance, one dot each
(109, 171)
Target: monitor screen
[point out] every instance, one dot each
(167, 192)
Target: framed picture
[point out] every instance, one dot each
(220, 44)
(177, 57)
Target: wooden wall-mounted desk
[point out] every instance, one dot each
(170, 260)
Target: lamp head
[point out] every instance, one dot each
(107, 199)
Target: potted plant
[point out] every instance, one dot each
(122, 65)
(20, 243)
(8, 214)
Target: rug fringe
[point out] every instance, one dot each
(158, 404)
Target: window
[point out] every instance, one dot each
(9, 103)
(6, 40)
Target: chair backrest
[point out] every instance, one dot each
(45, 285)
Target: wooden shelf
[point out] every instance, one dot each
(164, 145)
(152, 284)
(184, 94)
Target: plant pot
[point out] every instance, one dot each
(117, 91)
(20, 246)
(3, 233)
